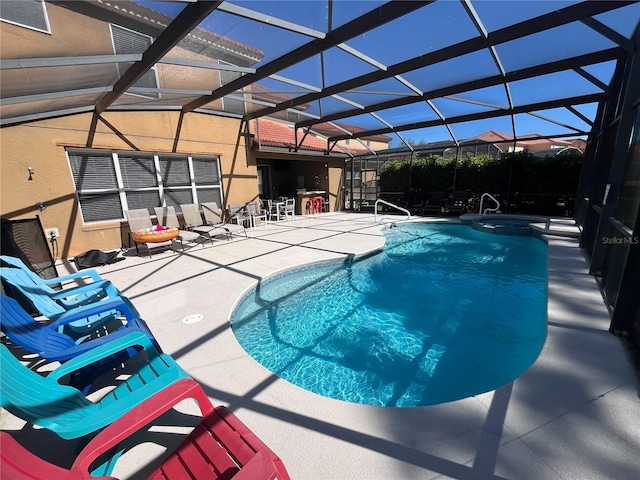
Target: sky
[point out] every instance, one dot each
(426, 30)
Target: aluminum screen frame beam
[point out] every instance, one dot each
(582, 99)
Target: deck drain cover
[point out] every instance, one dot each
(195, 318)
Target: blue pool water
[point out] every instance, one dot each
(444, 312)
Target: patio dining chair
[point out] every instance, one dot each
(288, 210)
(213, 216)
(238, 214)
(274, 210)
(256, 212)
(219, 447)
(193, 221)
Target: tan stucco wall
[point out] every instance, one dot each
(41, 145)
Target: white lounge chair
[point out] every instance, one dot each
(167, 217)
(194, 222)
(213, 216)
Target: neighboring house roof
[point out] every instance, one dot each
(532, 142)
(552, 152)
(265, 94)
(493, 137)
(269, 133)
(579, 143)
(330, 130)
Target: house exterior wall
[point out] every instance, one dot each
(355, 145)
(74, 34)
(71, 34)
(41, 145)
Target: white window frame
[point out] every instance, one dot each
(117, 165)
(153, 69)
(30, 27)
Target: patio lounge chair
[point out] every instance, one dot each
(193, 221)
(435, 203)
(167, 216)
(139, 219)
(58, 305)
(66, 283)
(213, 216)
(56, 283)
(53, 345)
(458, 203)
(219, 447)
(65, 410)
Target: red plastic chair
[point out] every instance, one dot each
(316, 204)
(220, 447)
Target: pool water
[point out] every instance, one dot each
(444, 312)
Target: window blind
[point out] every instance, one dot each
(138, 172)
(175, 171)
(93, 172)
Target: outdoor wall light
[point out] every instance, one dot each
(30, 170)
(41, 206)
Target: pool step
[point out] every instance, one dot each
(557, 228)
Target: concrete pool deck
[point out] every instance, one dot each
(574, 414)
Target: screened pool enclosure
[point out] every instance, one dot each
(416, 73)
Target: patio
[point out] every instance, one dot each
(574, 414)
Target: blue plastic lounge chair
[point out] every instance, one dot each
(66, 282)
(52, 345)
(84, 276)
(66, 411)
(220, 447)
(56, 305)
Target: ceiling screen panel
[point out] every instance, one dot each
(551, 45)
(498, 14)
(473, 66)
(416, 34)
(551, 87)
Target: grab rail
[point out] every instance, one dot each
(389, 204)
(488, 209)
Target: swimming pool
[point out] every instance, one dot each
(443, 312)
